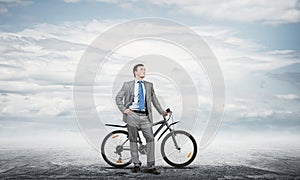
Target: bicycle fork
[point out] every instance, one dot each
(173, 136)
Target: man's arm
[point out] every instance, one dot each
(156, 103)
(120, 97)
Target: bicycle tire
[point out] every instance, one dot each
(103, 149)
(179, 165)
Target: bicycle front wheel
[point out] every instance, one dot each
(115, 149)
(186, 153)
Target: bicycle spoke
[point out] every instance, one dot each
(113, 154)
(180, 156)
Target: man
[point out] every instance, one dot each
(134, 101)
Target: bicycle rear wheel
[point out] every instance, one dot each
(115, 149)
(179, 157)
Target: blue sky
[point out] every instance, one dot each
(26, 14)
(256, 42)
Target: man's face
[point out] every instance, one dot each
(140, 72)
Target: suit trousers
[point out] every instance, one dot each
(136, 121)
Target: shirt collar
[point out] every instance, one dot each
(136, 80)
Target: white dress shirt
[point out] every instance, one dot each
(135, 104)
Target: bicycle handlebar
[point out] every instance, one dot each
(168, 110)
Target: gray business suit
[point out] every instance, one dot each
(124, 99)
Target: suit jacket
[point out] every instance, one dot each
(125, 98)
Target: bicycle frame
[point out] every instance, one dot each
(162, 123)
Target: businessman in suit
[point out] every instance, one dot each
(134, 101)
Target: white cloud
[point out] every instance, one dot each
(38, 66)
(241, 56)
(11, 3)
(266, 113)
(6, 4)
(71, 1)
(281, 52)
(3, 10)
(287, 96)
(257, 113)
(274, 12)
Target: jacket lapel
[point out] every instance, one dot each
(147, 88)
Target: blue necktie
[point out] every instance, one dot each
(141, 96)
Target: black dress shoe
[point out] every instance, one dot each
(153, 171)
(136, 169)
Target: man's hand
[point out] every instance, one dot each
(127, 111)
(165, 113)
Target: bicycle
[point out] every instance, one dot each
(178, 148)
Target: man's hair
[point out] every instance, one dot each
(135, 68)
